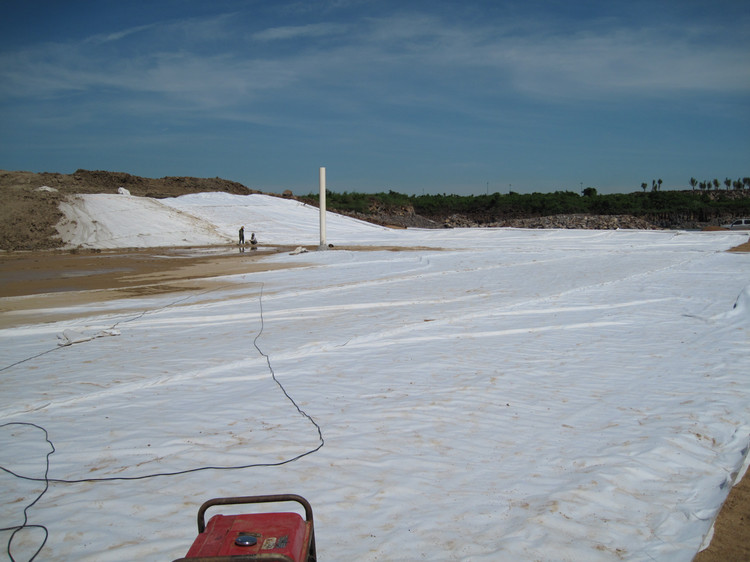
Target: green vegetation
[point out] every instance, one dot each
(702, 205)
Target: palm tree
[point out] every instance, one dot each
(659, 182)
(728, 183)
(693, 183)
(644, 185)
(716, 183)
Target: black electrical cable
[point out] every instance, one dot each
(17, 528)
(47, 481)
(113, 326)
(28, 359)
(273, 375)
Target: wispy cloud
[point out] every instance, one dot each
(644, 62)
(299, 31)
(549, 62)
(119, 35)
(412, 59)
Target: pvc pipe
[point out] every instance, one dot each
(323, 245)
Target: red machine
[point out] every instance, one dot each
(272, 537)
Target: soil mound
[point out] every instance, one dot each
(30, 201)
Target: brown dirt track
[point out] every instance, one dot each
(35, 284)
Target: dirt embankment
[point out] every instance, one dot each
(30, 210)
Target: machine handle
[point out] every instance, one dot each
(253, 499)
(240, 558)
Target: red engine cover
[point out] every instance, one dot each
(275, 533)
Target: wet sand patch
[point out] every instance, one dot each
(37, 287)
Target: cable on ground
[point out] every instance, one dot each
(47, 480)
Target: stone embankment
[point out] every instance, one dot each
(595, 222)
(592, 222)
(405, 217)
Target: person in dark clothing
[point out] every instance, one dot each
(242, 235)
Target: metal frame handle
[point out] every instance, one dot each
(253, 499)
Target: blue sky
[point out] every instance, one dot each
(413, 96)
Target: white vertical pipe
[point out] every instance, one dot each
(323, 209)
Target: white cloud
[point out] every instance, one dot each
(633, 62)
(299, 31)
(118, 35)
(545, 61)
(402, 59)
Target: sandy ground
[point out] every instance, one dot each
(35, 284)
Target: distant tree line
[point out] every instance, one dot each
(740, 183)
(698, 205)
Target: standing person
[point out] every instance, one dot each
(242, 235)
